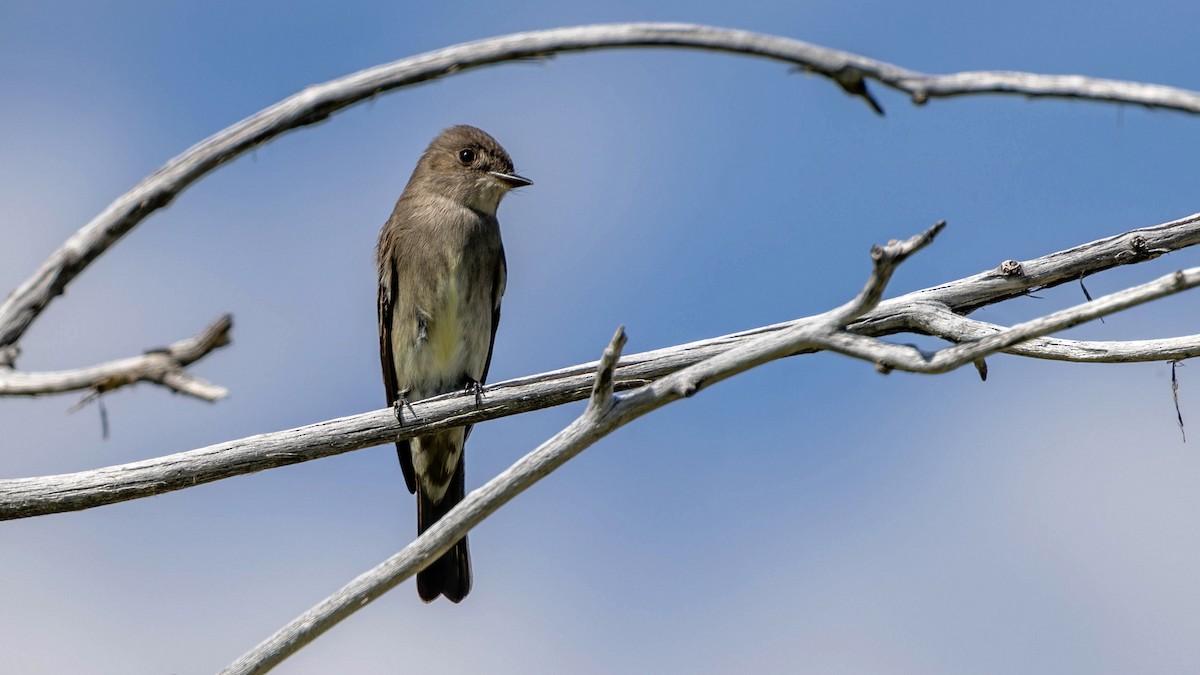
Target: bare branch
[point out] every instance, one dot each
(903, 357)
(165, 366)
(1014, 279)
(938, 320)
(318, 102)
(26, 497)
(438, 539)
(605, 414)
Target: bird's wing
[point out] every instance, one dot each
(387, 303)
(498, 284)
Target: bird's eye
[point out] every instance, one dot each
(466, 156)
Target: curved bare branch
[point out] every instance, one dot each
(318, 102)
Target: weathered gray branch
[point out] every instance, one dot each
(318, 102)
(903, 357)
(165, 366)
(606, 412)
(938, 320)
(1012, 279)
(25, 497)
(473, 509)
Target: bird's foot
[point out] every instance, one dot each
(402, 403)
(475, 387)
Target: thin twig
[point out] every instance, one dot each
(940, 321)
(164, 366)
(886, 259)
(1175, 366)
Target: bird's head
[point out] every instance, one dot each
(467, 165)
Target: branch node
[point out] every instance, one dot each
(1140, 251)
(1011, 268)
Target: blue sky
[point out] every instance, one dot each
(808, 516)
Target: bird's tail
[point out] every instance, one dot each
(449, 575)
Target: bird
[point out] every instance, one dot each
(442, 274)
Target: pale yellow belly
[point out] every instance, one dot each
(453, 347)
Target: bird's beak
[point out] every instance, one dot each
(512, 180)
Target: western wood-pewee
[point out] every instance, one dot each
(441, 276)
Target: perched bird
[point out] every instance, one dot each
(441, 276)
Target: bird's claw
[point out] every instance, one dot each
(476, 387)
(399, 406)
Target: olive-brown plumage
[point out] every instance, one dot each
(441, 277)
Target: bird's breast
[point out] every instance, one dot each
(451, 338)
(445, 335)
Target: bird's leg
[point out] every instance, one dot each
(475, 387)
(402, 403)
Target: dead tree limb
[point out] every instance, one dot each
(26, 497)
(607, 411)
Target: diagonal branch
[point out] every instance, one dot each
(438, 539)
(318, 102)
(1012, 279)
(166, 366)
(605, 413)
